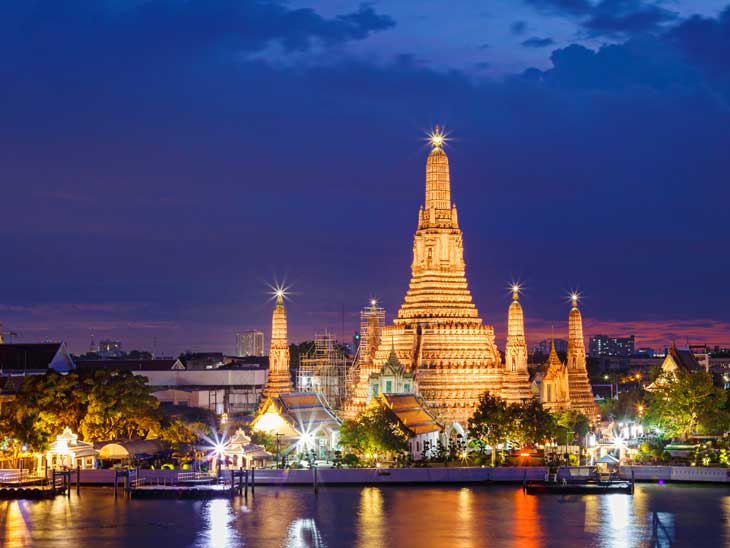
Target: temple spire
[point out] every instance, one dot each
(516, 383)
(438, 184)
(581, 394)
(279, 378)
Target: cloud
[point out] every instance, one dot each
(654, 333)
(692, 55)
(536, 42)
(518, 27)
(611, 18)
(169, 27)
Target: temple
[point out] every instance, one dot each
(552, 383)
(581, 394)
(516, 380)
(438, 334)
(279, 379)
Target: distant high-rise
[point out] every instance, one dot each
(603, 345)
(109, 348)
(250, 343)
(544, 347)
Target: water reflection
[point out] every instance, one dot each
(376, 516)
(303, 533)
(371, 526)
(527, 530)
(14, 525)
(218, 531)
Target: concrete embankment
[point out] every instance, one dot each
(382, 476)
(691, 474)
(346, 476)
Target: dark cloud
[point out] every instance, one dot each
(158, 26)
(692, 56)
(563, 7)
(610, 17)
(536, 42)
(518, 27)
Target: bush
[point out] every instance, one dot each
(350, 460)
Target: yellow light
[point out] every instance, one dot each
(575, 297)
(437, 137)
(373, 302)
(269, 422)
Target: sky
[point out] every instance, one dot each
(163, 163)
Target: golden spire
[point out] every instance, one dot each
(515, 317)
(516, 291)
(437, 137)
(438, 184)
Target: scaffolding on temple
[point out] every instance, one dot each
(372, 320)
(324, 370)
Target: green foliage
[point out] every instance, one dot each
(626, 406)
(571, 424)
(375, 432)
(687, 402)
(265, 439)
(495, 421)
(100, 405)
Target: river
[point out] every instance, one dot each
(374, 517)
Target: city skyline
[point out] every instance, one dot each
(568, 172)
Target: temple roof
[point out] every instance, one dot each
(685, 359)
(304, 411)
(412, 411)
(35, 357)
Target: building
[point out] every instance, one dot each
(163, 364)
(544, 347)
(552, 383)
(516, 381)
(229, 389)
(69, 452)
(109, 348)
(391, 379)
(302, 421)
(675, 360)
(250, 343)
(422, 427)
(279, 379)
(438, 333)
(324, 369)
(34, 359)
(603, 345)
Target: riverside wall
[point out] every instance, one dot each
(455, 475)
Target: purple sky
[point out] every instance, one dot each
(162, 163)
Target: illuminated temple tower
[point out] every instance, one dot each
(438, 333)
(516, 380)
(581, 395)
(279, 379)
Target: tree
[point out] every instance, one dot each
(534, 424)
(492, 423)
(570, 424)
(375, 432)
(119, 406)
(687, 402)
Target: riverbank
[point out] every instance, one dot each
(415, 476)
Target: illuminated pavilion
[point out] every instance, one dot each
(438, 333)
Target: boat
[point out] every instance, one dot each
(579, 480)
(586, 488)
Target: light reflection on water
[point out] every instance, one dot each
(371, 517)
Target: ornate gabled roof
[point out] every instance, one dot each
(685, 359)
(554, 367)
(413, 413)
(392, 366)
